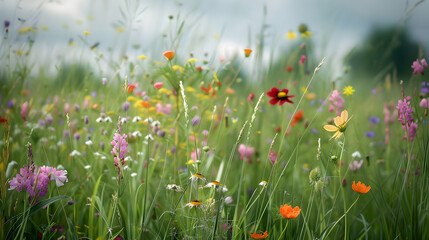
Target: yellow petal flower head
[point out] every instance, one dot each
(348, 90)
(291, 35)
(340, 125)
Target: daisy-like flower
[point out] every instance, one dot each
(174, 187)
(291, 35)
(198, 177)
(340, 125)
(263, 183)
(214, 184)
(137, 119)
(259, 235)
(360, 187)
(279, 96)
(348, 90)
(194, 203)
(288, 212)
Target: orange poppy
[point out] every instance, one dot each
(130, 88)
(146, 104)
(288, 212)
(360, 187)
(259, 235)
(297, 118)
(168, 54)
(247, 52)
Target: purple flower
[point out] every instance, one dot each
(370, 134)
(374, 120)
(6, 23)
(86, 119)
(412, 131)
(126, 106)
(76, 107)
(104, 81)
(94, 94)
(355, 165)
(424, 87)
(49, 119)
(10, 104)
(77, 136)
(405, 111)
(195, 121)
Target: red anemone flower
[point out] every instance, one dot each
(279, 96)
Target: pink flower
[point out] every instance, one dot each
(418, 68)
(302, 60)
(424, 103)
(272, 157)
(24, 110)
(337, 102)
(246, 152)
(166, 109)
(158, 85)
(355, 165)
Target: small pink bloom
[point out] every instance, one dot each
(158, 85)
(302, 60)
(222, 59)
(272, 157)
(250, 97)
(424, 103)
(246, 152)
(24, 110)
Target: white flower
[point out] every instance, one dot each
(263, 183)
(107, 119)
(149, 137)
(174, 187)
(136, 134)
(75, 153)
(149, 120)
(123, 120)
(100, 119)
(156, 124)
(228, 200)
(195, 203)
(88, 143)
(198, 177)
(137, 119)
(215, 184)
(87, 167)
(356, 155)
(133, 174)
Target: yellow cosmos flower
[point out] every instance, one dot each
(291, 35)
(348, 90)
(192, 60)
(340, 125)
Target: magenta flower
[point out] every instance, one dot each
(337, 102)
(246, 152)
(406, 118)
(424, 103)
(302, 59)
(418, 68)
(166, 109)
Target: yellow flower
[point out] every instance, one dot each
(86, 33)
(340, 125)
(306, 34)
(192, 60)
(120, 29)
(348, 90)
(142, 57)
(291, 35)
(190, 89)
(177, 67)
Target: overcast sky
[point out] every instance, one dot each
(337, 25)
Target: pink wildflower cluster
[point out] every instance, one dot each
(337, 102)
(418, 68)
(119, 144)
(406, 117)
(36, 183)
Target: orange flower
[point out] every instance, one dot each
(360, 187)
(297, 118)
(259, 235)
(146, 104)
(168, 54)
(247, 52)
(287, 212)
(130, 88)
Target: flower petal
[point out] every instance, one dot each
(344, 115)
(330, 128)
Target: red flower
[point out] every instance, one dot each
(278, 95)
(289, 68)
(130, 88)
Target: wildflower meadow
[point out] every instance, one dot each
(265, 142)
